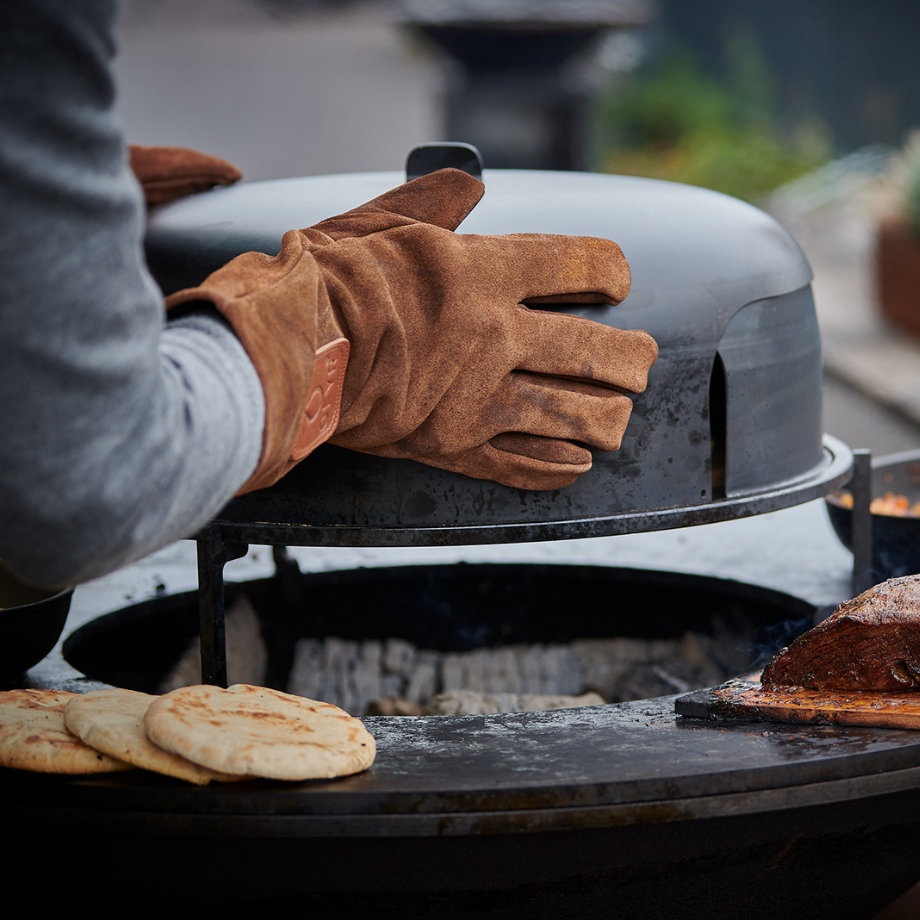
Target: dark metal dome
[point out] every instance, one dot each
(730, 423)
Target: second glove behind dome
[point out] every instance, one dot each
(168, 173)
(447, 364)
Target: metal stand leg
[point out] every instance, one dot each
(861, 534)
(213, 555)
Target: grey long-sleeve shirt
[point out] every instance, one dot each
(118, 433)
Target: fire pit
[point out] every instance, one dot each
(460, 609)
(576, 812)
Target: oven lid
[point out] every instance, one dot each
(730, 423)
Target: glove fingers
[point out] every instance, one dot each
(167, 173)
(547, 450)
(572, 347)
(512, 469)
(443, 198)
(562, 410)
(547, 267)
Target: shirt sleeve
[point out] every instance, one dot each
(118, 433)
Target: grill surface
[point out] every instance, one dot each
(623, 809)
(615, 807)
(610, 810)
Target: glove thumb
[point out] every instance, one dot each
(443, 198)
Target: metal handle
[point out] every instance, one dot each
(429, 158)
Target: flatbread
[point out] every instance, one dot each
(33, 736)
(112, 721)
(259, 732)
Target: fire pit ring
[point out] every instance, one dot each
(610, 810)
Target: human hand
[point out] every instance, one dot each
(450, 362)
(449, 365)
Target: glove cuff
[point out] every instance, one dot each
(279, 309)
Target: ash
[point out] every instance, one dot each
(394, 677)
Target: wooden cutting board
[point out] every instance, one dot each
(744, 700)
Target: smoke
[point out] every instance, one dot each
(778, 635)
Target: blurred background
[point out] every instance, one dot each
(804, 107)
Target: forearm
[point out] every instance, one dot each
(100, 482)
(119, 434)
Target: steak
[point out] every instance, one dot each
(870, 643)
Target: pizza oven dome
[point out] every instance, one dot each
(732, 414)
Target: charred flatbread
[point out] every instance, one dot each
(112, 721)
(33, 736)
(259, 732)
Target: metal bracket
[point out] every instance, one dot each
(861, 534)
(213, 555)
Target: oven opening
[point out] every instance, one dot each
(717, 426)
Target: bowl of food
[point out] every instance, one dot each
(895, 511)
(31, 621)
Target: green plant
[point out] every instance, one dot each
(675, 122)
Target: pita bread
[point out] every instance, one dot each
(33, 736)
(112, 721)
(259, 732)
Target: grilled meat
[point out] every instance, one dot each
(870, 643)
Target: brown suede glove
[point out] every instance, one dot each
(447, 364)
(167, 173)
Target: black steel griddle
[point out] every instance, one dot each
(610, 811)
(616, 810)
